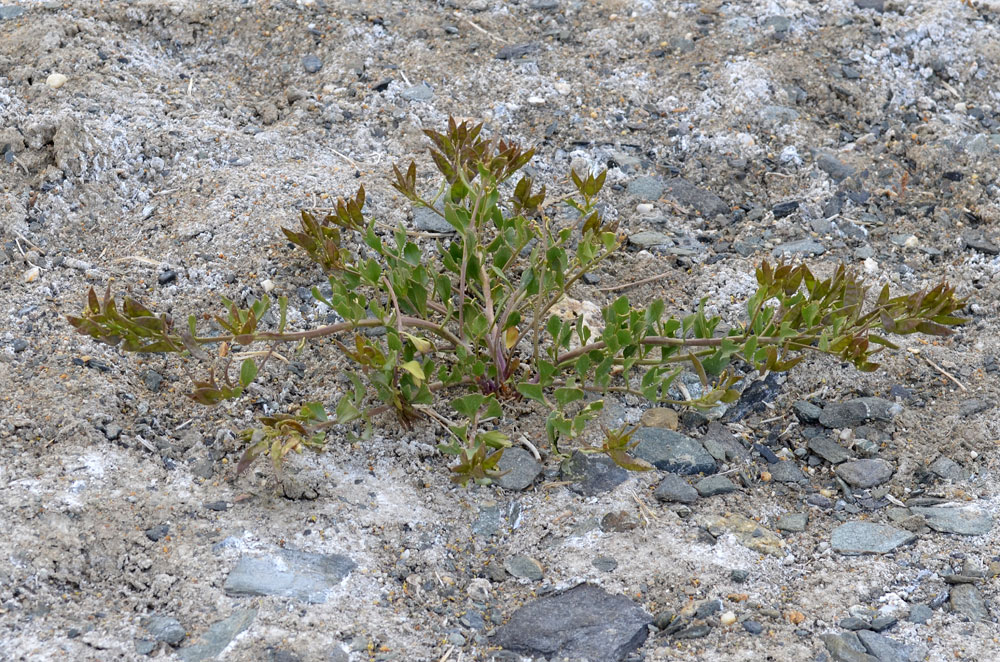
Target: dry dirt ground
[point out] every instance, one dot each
(185, 134)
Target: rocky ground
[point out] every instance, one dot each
(159, 145)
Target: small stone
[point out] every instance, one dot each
(218, 636)
(645, 188)
(844, 649)
(727, 618)
(853, 623)
(828, 449)
(787, 471)
(644, 208)
(883, 648)
(649, 240)
(421, 92)
(783, 209)
(883, 623)
(56, 80)
(801, 247)
(8, 12)
(605, 563)
(713, 485)
(592, 475)
(795, 617)
(753, 627)
(19, 345)
(877, 5)
(920, 614)
(516, 51)
(157, 532)
(706, 203)
(857, 537)
(834, 167)
(793, 522)
(749, 533)
(671, 451)
(166, 629)
(960, 519)
(152, 379)
(972, 407)
(806, 411)
(142, 646)
(428, 220)
(674, 488)
(290, 573)
(524, 567)
(739, 575)
(863, 474)
(31, 274)
(311, 63)
(218, 506)
(521, 469)
(947, 468)
(167, 277)
(855, 412)
(659, 417)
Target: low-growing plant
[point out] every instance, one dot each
(469, 320)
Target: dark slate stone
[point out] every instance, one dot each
(311, 63)
(713, 485)
(863, 474)
(947, 468)
(806, 411)
(675, 488)
(882, 647)
(766, 453)
(592, 474)
(920, 614)
(783, 209)
(857, 537)
(521, 467)
(694, 632)
(853, 623)
(584, 622)
(707, 608)
(290, 573)
(980, 243)
(672, 451)
(428, 220)
(834, 167)
(877, 5)
(858, 411)
(963, 520)
(828, 449)
(883, 623)
(157, 532)
(755, 397)
(845, 649)
(645, 188)
(516, 51)
(214, 640)
(167, 277)
(753, 627)
(706, 203)
(973, 406)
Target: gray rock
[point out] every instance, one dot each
(877, 5)
(856, 537)
(524, 567)
(605, 563)
(882, 647)
(290, 573)
(145, 646)
(844, 649)
(645, 188)
(863, 474)
(858, 411)
(920, 614)
(8, 12)
(488, 521)
(883, 623)
(977, 242)
(592, 474)
(706, 203)
(828, 449)
(793, 522)
(712, 485)
(834, 167)
(516, 51)
(421, 92)
(803, 246)
(521, 467)
(947, 468)
(311, 63)
(973, 406)
(853, 623)
(650, 239)
(584, 622)
(672, 451)
(165, 628)
(963, 520)
(806, 411)
(694, 632)
(675, 488)
(787, 472)
(210, 644)
(753, 627)
(427, 220)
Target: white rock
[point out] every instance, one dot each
(871, 266)
(536, 101)
(727, 618)
(268, 285)
(55, 81)
(563, 88)
(31, 275)
(644, 208)
(911, 242)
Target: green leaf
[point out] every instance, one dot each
(565, 395)
(531, 391)
(415, 369)
(468, 405)
(493, 439)
(248, 372)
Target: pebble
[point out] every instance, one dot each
(562, 626)
(783, 209)
(421, 92)
(516, 51)
(961, 519)
(674, 488)
(858, 537)
(645, 188)
(707, 204)
(157, 532)
(947, 468)
(787, 472)
(883, 623)
(311, 63)
(863, 474)
(644, 208)
(853, 623)
(165, 628)
(855, 412)
(748, 533)
(753, 627)
(728, 618)
(605, 563)
(167, 277)
(832, 166)
(659, 417)
(8, 12)
(801, 247)
(672, 451)
(707, 608)
(649, 240)
(218, 636)
(806, 411)
(289, 573)
(973, 406)
(31, 275)
(521, 469)
(56, 80)
(693, 632)
(19, 345)
(427, 220)
(592, 474)
(828, 449)
(845, 649)
(920, 614)
(793, 522)
(152, 379)
(524, 567)
(714, 485)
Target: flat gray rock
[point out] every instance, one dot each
(963, 520)
(672, 451)
(787, 471)
(858, 411)
(828, 449)
(846, 647)
(968, 601)
(583, 623)
(863, 474)
(645, 188)
(421, 92)
(800, 247)
(857, 537)
(428, 220)
(703, 201)
(793, 522)
(165, 628)
(289, 573)
(675, 488)
(882, 647)
(214, 640)
(521, 468)
(592, 474)
(713, 485)
(947, 468)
